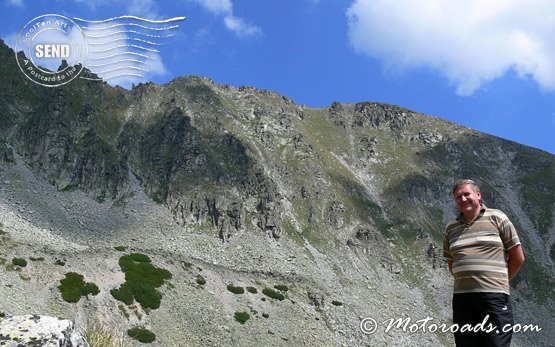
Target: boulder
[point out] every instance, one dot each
(44, 331)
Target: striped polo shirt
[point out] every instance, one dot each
(478, 251)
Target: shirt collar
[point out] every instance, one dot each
(461, 219)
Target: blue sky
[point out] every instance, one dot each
(485, 64)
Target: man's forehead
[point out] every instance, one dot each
(466, 188)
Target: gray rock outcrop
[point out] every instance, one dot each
(44, 331)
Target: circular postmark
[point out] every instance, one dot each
(51, 50)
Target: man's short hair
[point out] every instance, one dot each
(465, 182)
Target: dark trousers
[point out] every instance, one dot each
(471, 309)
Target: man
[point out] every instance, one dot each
(483, 252)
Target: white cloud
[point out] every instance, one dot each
(17, 3)
(93, 4)
(217, 6)
(471, 42)
(239, 27)
(233, 23)
(150, 9)
(147, 8)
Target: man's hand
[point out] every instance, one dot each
(516, 259)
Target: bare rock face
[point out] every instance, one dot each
(6, 155)
(44, 331)
(381, 116)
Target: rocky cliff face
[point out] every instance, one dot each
(345, 205)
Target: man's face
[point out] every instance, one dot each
(467, 199)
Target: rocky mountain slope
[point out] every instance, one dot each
(342, 208)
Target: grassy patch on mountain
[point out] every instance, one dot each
(73, 287)
(235, 290)
(281, 287)
(141, 280)
(200, 280)
(273, 294)
(19, 262)
(141, 334)
(242, 317)
(321, 131)
(291, 231)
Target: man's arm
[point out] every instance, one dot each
(450, 264)
(516, 259)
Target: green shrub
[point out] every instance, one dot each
(120, 248)
(19, 262)
(141, 258)
(265, 315)
(101, 198)
(124, 293)
(73, 287)
(147, 296)
(273, 294)
(336, 303)
(252, 290)
(242, 317)
(235, 290)
(36, 259)
(281, 287)
(90, 288)
(141, 334)
(70, 294)
(141, 281)
(59, 262)
(201, 280)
